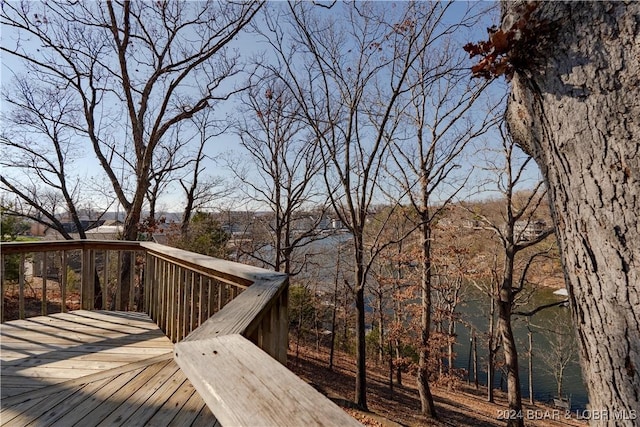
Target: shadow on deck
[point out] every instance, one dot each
(94, 368)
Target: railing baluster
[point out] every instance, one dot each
(184, 301)
(180, 304)
(211, 297)
(92, 279)
(221, 295)
(163, 296)
(272, 337)
(192, 307)
(192, 303)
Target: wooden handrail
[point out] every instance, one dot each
(244, 386)
(9, 248)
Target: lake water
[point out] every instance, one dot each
(474, 310)
(551, 329)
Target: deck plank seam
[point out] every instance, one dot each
(76, 382)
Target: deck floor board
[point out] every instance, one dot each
(91, 368)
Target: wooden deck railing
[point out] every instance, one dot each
(229, 321)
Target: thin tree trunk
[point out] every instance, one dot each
(530, 368)
(514, 394)
(450, 353)
(505, 305)
(574, 107)
(469, 358)
(475, 360)
(398, 363)
(333, 316)
(381, 340)
(397, 317)
(426, 399)
(390, 360)
(491, 353)
(361, 351)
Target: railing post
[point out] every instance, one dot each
(181, 301)
(162, 294)
(200, 298)
(283, 326)
(211, 298)
(63, 281)
(2, 277)
(85, 284)
(21, 313)
(148, 288)
(118, 296)
(192, 305)
(132, 282)
(172, 303)
(45, 273)
(105, 280)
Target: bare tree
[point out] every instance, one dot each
(134, 69)
(202, 191)
(134, 61)
(169, 160)
(451, 267)
(516, 229)
(349, 76)
(40, 151)
(561, 350)
(282, 170)
(438, 127)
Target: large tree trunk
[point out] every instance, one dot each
(575, 108)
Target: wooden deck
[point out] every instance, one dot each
(91, 368)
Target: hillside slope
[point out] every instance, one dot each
(462, 407)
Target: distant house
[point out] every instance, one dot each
(95, 230)
(474, 224)
(109, 230)
(37, 229)
(529, 230)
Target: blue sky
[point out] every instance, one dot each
(247, 45)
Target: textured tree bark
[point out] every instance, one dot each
(575, 107)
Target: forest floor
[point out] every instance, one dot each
(464, 406)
